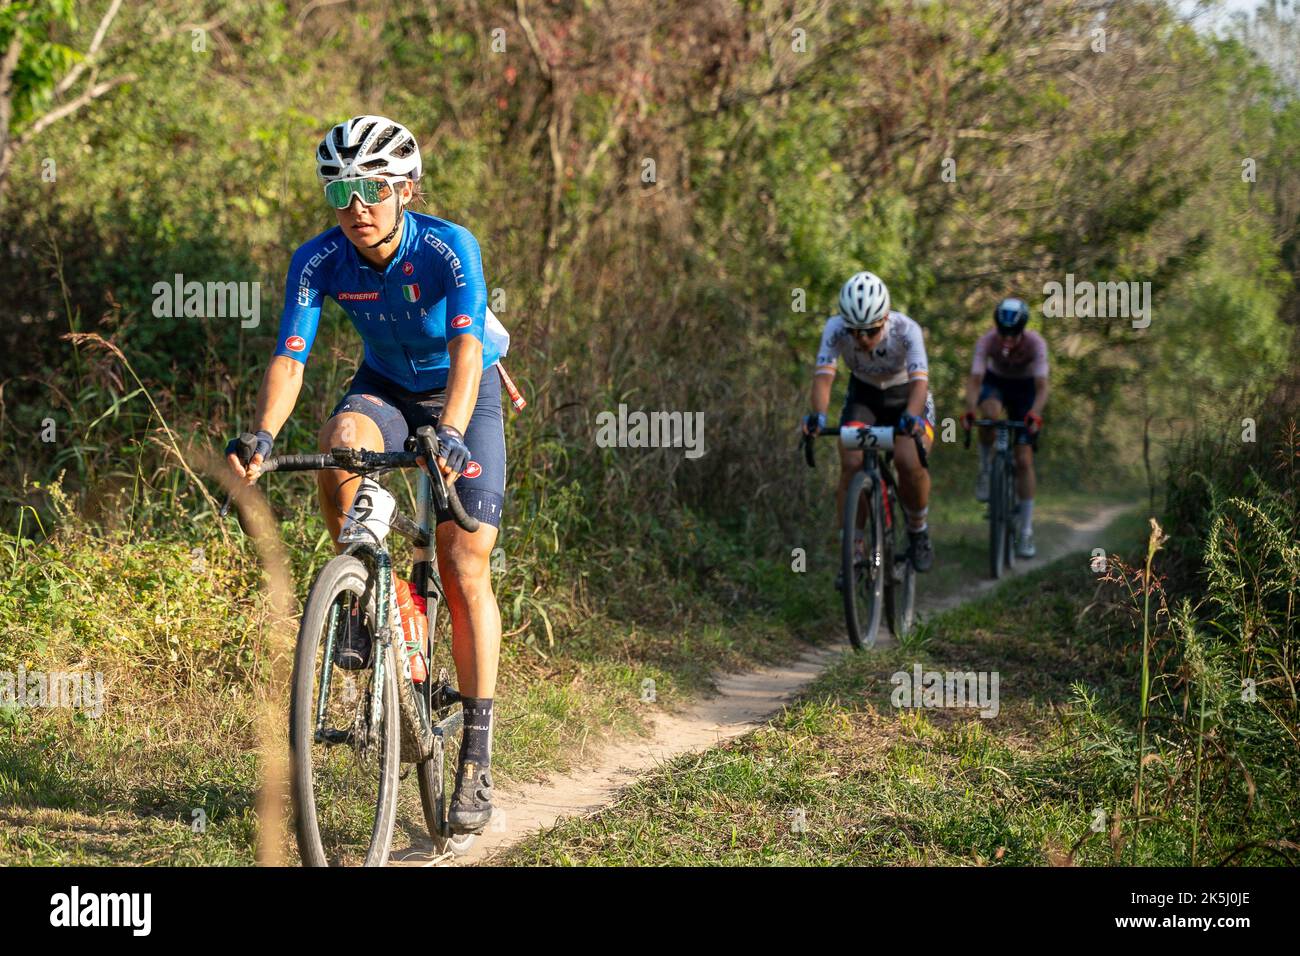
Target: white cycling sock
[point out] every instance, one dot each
(1027, 516)
(913, 515)
(986, 452)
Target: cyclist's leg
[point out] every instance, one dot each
(465, 562)
(856, 410)
(464, 559)
(913, 480)
(990, 406)
(1026, 481)
(364, 418)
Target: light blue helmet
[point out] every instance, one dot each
(1011, 316)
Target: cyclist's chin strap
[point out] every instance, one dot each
(397, 224)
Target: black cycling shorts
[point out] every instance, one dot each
(1016, 396)
(880, 406)
(398, 413)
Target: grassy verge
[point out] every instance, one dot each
(169, 772)
(846, 777)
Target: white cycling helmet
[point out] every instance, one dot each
(366, 146)
(864, 301)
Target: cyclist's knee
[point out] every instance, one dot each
(465, 556)
(348, 430)
(907, 462)
(990, 408)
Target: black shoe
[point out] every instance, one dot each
(920, 550)
(471, 802)
(839, 579)
(355, 645)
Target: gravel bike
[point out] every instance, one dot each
(349, 731)
(1003, 506)
(879, 579)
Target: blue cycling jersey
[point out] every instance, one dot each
(431, 291)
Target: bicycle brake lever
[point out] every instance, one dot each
(428, 442)
(247, 448)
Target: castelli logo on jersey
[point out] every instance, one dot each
(407, 268)
(295, 343)
(358, 297)
(461, 322)
(473, 470)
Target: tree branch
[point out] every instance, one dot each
(7, 67)
(65, 84)
(54, 115)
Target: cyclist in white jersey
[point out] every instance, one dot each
(888, 385)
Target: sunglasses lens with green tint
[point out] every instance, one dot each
(340, 192)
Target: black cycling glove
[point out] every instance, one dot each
(263, 448)
(452, 448)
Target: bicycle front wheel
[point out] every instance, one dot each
(864, 574)
(345, 749)
(1011, 510)
(997, 522)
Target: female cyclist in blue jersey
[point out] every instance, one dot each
(413, 287)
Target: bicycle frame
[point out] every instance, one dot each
(892, 577)
(435, 693)
(1002, 527)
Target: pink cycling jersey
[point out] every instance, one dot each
(1027, 359)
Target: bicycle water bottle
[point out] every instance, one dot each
(410, 614)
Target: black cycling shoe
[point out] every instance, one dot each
(355, 646)
(920, 550)
(839, 579)
(471, 802)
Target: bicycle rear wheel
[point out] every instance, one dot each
(344, 767)
(864, 578)
(900, 595)
(435, 793)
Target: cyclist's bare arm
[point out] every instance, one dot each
(973, 386)
(1040, 395)
(466, 353)
(917, 392)
(275, 402)
(820, 398)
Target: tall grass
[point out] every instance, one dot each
(1216, 753)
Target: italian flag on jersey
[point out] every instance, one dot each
(412, 292)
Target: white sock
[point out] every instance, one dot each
(913, 515)
(1027, 516)
(986, 451)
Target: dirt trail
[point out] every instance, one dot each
(742, 702)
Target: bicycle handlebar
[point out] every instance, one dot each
(806, 443)
(1008, 423)
(360, 461)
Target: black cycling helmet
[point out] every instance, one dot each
(1011, 316)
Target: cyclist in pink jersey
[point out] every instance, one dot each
(1008, 379)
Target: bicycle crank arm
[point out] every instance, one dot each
(449, 724)
(332, 737)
